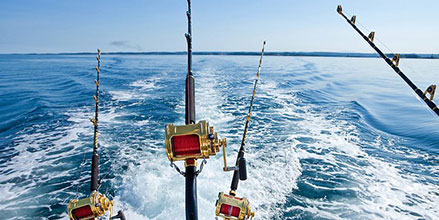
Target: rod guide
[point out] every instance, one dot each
(353, 19)
(396, 58)
(430, 90)
(371, 36)
(339, 9)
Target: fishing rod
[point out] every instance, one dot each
(96, 205)
(393, 63)
(190, 164)
(230, 206)
(193, 140)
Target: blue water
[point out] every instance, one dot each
(330, 138)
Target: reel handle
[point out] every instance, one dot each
(119, 215)
(242, 168)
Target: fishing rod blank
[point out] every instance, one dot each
(393, 63)
(190, 81)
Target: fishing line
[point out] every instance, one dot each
(390, 51)
(377, 38)
(102, 178)
(429, 110)
(81, 166)
(405, 64)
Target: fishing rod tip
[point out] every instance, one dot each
(339, 9)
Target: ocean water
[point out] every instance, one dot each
(330, 138)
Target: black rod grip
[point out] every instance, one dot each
(235, 178)
(94, 172)
(191, 193)
(242, 169)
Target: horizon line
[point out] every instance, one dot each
(250, 53)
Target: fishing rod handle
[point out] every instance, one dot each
(119, 215)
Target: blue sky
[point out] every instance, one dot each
(221, 25)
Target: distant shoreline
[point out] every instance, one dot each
(302, 54)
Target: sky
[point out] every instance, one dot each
(56, 26)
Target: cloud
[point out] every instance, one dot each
(126, 45)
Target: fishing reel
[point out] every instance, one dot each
(192, 141)
(92, 207)
(231, 207)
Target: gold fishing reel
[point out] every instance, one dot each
(91, 207)
(193, 141)
(232, 207)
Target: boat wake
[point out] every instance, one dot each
(310, 155)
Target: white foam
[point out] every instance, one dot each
(384, 190)
(140, 89)
(150, 189)
(156, 191)
(49, 146)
